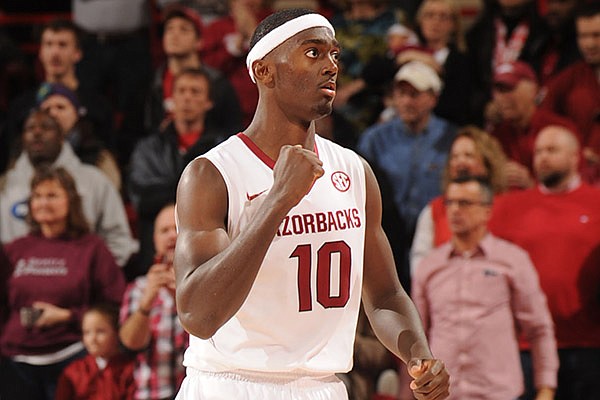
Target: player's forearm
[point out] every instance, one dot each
(214, 291)
(398, 326)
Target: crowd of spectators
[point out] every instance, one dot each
(121, 94)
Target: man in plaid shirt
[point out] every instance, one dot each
(149, 322)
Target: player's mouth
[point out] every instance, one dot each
(329, 88)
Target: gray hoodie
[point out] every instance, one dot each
(102, 203)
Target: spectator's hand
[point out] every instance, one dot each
(517, 175)
(431, 379)
(245, 20)
(51, 315)
(159, 275)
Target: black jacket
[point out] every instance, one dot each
(155, 167)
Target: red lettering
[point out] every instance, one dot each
(349, 220)
(321, 222)
(286, 228)
(331, 221)
(297, 226)
(356, 216)
(309, 223)
(340, 219)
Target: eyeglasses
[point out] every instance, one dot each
(464, 203)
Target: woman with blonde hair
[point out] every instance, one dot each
(474, 152)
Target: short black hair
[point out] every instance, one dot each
(484, 185)
(587, 9)
(275, 20)
(59, 24)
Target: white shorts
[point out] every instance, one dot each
(245, 385)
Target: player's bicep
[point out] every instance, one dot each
(201, 197)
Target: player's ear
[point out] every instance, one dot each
(263, 72)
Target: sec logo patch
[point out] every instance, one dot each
(340, 180)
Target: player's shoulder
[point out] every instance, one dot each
(231, 144)
(327, 145)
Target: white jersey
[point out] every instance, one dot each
(302, 310)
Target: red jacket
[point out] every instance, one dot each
(82, 380)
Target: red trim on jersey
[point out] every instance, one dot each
(257, 151)
(261, 154)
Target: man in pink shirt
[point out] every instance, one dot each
(474, 293)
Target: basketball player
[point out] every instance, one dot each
(274, 227)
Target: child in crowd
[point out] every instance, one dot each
(106, 373)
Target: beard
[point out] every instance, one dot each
(553, 179)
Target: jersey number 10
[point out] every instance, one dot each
(324, 273)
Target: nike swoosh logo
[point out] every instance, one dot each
(253, 196)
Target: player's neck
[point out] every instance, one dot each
(271, 132)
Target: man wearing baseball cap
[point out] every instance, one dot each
(515, 91)
(409, 152)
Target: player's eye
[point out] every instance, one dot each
(312, 53)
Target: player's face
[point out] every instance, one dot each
(588, 38)
(59, 52)
(306, 72)
(165, 233)
(180, 37)
(465, 159)
(413, 106)
(99, 336)
(62, 110)
(191, 98)
(465, 207)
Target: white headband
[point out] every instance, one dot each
(282, 33)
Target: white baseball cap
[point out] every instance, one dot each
(420, 75)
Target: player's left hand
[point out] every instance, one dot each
(431, 379)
